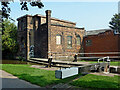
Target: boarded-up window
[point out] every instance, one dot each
(78, 41)
(58, 39)
(69, 41)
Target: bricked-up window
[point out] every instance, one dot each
(58, 39)
(78, 41)
(69, 41)
(23, 24)
(88, 42)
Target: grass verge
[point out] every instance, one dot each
(112, 63)
(36, 76)
(44, 77)
(95, 81)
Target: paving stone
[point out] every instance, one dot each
(62, 85)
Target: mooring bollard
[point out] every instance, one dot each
(50, 60)
(75, 58)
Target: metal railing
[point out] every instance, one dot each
(108, 60)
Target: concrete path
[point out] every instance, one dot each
(10, 81)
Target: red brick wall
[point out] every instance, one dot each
(104, 42)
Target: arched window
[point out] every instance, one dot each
(69, 41)
(78, 40)
(58, 39)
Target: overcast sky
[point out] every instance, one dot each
(90, 15)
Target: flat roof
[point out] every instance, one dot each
(96, 32)
(24, 16)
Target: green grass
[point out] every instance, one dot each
(44, 77)
(115, 63)
(36, 76)
(0, 66)
(95, 81)
(112, 63)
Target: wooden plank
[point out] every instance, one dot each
(60, 62)
(43, 63)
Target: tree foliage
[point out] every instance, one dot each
(115, 22)
(24, 6)
(9, 30)
(9, 38)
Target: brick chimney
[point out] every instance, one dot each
(48, 22)
(48, 16)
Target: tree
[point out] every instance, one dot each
(115, 23)
(9, 38)
(24, 6)
(9, 30)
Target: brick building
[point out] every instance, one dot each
(105, 40)
(40, 34)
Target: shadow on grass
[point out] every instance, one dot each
(42, 81)
(96, 84)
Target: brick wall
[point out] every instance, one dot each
(104, 42)
(56, 21)
(41, 32)
(22, 37)
(64, 32)
(40, 38)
